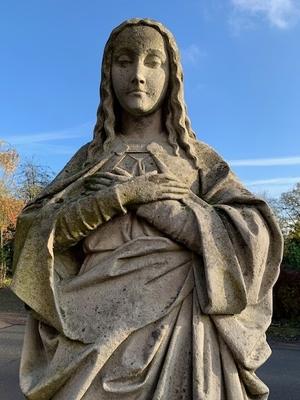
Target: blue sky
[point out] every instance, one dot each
(241, 60)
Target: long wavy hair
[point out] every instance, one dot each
(177, 123)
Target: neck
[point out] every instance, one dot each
(143, 129)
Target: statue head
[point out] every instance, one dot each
(139, 71)
(170, 98)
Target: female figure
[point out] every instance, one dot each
(147, 266)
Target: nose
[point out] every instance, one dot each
(138, 76)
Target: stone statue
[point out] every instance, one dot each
(146, 265)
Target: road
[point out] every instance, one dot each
(281, 372)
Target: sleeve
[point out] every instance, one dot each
(76, 219)
(176, 220)
(238, 243)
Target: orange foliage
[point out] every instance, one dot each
(9, 157)
(10, 208)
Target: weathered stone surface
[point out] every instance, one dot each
(148, 267)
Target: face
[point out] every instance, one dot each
(140, 70)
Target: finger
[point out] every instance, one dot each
(155, 177)
(150, 174)
(122, 172)
(95, 188)
(165, 188)
(161, 165)
(103, 181)
(174, 190)
(104, 177)
(172, 196)
(174, 185)
(108, 175)
(120, 178)
(173, 178)
(163, 178)
(115, 177)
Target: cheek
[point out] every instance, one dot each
(158, 82)
(118, 78)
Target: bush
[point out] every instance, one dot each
(292, 253)
(286, 293)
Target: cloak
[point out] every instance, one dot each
(211, 259)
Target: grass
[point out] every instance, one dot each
(6, 282)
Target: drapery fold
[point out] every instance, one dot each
(203, 267)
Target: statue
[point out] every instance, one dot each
(146, 265)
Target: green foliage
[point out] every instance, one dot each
(286, 294)
(291, 255)
(289, 296)
(287, 210)
(6, 282)
(285, 329)
(7, 249)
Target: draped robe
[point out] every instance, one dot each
(167, 301)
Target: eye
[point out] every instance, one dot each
(153, 61)
(123, 60)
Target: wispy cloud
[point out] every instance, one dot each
(274, 181)
(265, 162)
(57, 149)
(192, 54)
(281, 14)
(70, 133)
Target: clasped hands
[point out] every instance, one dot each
(142, 189)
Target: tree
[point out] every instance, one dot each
(9, 206)
(32, 178)
(287, 208)
(16, 189)
(290, 206)
(9, 159)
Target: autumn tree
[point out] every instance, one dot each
(19, 184)
(9, 160)
(10, 207)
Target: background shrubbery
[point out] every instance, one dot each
(291, 255)
(287, 294)
(19, 183)
(287, 289)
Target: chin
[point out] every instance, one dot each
(139, 111)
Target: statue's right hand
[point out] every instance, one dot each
(151, 187)
(103, 180)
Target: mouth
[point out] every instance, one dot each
(136, 92)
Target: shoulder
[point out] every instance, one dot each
(206, 155)
(74, 168)
(211, 164)
(75, 164)
(216, 176)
